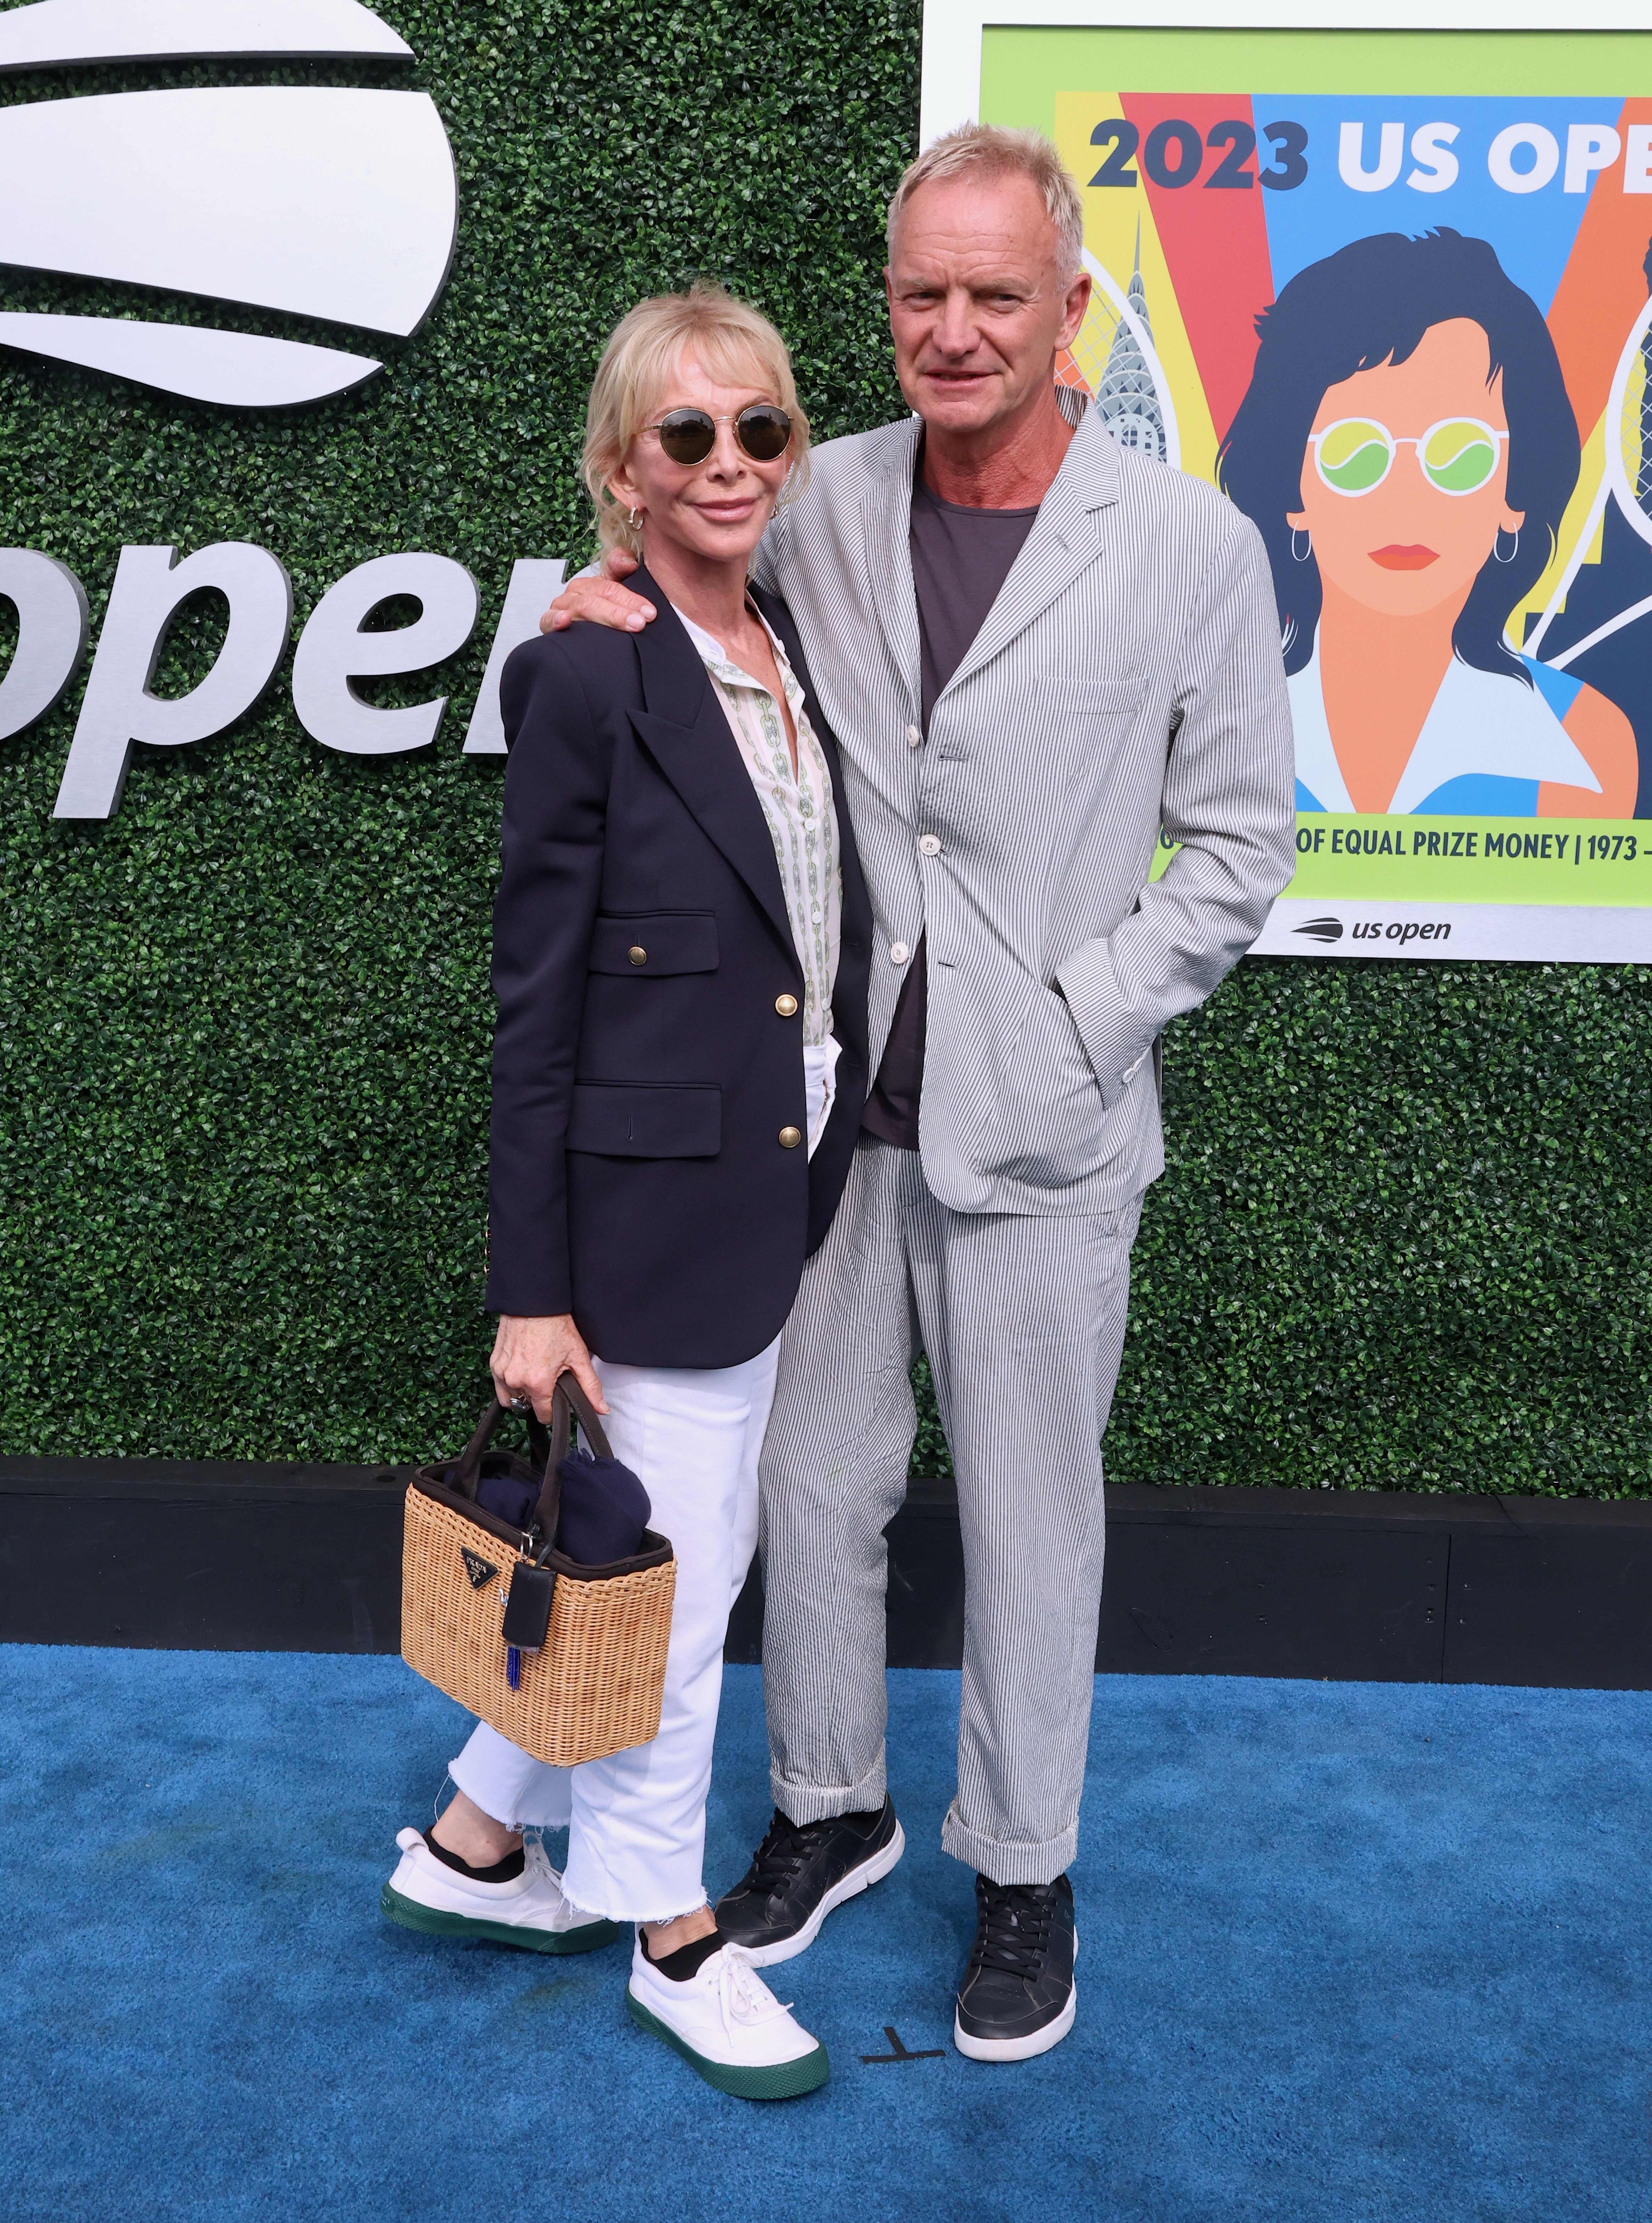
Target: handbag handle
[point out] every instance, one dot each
(568, 1403)
(468, 1473)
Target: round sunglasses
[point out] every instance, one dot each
(1457, 455)
(688, 435)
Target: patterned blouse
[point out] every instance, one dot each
(798, 809)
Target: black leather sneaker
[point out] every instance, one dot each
(1018, 1997)
(801, 1871)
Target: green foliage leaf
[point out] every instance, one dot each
(244, 1026)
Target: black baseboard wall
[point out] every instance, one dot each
(1354, 1585)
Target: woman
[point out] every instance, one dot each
(681, 943)
(1407, 447)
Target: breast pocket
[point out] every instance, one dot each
(638, 1119)
(1103, 702)
(1083, 722)
(654, 942)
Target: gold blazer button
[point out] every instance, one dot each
(637, 954)
(790, 1137)
(787, 1006)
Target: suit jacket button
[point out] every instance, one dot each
(787, 1006)
(790, 1137)
(637, 954)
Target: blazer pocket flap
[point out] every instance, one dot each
(655, 941)
(631, 1120)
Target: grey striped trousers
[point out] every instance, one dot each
(1022, 1319)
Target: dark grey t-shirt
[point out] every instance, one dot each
(961, 559)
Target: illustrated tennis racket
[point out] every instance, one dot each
(1626, 481)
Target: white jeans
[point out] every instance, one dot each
(636, 1820)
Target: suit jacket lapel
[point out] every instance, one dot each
(779, 619)
(684, 730)
(856, 905)
(886, 514)
(1066, 536)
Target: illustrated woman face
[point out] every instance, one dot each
(717, 505)
(1405, 479)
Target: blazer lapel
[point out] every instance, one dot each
(856, 903)
(886, 515)
(1066, 536)
(685, 731)
(779, 619)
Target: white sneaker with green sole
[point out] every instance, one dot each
(532, 1911)
(729, 2026)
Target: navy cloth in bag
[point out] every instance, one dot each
(604, 1507)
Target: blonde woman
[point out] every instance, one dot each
(681, 944)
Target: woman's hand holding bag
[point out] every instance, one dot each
(530, 1357)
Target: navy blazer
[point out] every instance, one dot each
(643, 1070)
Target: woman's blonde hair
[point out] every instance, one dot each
(731, 342)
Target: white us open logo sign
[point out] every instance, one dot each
(334, 650)
(333, 202)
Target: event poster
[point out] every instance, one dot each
(1408, 333)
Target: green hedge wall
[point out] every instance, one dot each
(244, 1026)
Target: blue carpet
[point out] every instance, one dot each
(1348, 1952)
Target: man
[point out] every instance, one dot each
(1037, 649)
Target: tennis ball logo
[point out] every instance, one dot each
(334, 203)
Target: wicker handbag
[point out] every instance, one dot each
(592, 1685)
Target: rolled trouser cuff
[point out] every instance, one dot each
(1007, 1864)
(804, 1803)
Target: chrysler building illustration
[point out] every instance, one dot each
(1126, 398)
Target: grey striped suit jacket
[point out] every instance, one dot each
(1128, 678)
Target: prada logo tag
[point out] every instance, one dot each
(480, 1570)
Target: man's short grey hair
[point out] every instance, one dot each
(988, 150)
